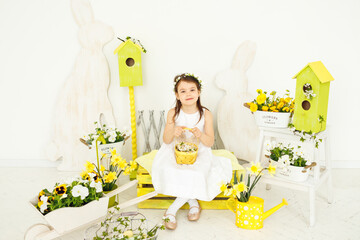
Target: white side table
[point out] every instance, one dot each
(320, 173)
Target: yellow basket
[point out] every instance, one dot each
(186, 157)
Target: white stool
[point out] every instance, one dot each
(320, 173)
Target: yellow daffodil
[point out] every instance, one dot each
(89, 166)
(240, 187)
(273, 108)
(60, 190)
(282, 100)
(103, 155)
(111, 176)
(115, 159)
(127, 171)
(271, 169)
(261, 98)
(133, 165)
(286, 109)
(122, 164)
(259, 91)
(255, 168)
(113, 151)
(223, 187)
(287, 100)
(253, 107)
(102, 168)
(265, 108)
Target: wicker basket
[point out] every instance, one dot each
(186, 157)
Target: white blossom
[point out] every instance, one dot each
(97, 186)
(44, 204)
(81, 191)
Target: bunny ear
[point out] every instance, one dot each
(82, 11)
(244, 56)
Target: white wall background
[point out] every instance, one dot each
(38, 46)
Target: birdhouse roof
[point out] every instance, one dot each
(127, 42)
(320, 71)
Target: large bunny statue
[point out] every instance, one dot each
(236, 124)
(84, 94)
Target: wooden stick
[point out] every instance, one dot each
(84, 142)
(246, 105)
(313, 164)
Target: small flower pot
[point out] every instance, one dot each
(272, 119)
(292, 173)
(112, 200)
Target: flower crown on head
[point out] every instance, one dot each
(178, 78)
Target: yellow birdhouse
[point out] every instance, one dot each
(129, 58)
(311, 97)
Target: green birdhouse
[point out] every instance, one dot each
(129, 58)
(311, 97)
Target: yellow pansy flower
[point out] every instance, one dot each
(273, 108)
(253, 107)
(60, 190)
(280, 105)
(89, 166)
(265, 108)
(261, 98)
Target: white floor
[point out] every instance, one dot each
(340, 220)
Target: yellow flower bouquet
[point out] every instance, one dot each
(241, 189)
(108, 175)
(271, 103)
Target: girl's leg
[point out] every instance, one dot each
(172, 210)
(194, 212)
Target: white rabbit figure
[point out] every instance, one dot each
(84, 95)
(236, 125)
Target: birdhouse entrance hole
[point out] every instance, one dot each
(306, 105)
(307, 87)
(130, 62)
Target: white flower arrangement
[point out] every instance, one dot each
(111, 135)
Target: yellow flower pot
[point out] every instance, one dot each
(250, 215)
(112, 200)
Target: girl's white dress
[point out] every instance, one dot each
(200, 180)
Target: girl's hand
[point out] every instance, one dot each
(197, 133)
(178, 131)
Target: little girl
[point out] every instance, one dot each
(199, 181)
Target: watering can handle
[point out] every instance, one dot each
(231, 207)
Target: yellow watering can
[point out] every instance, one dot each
(250, 215)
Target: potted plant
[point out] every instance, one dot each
(249, 209)
(107, 176)
(111, 138)
(289, 160)
(124, 226)
(270, 110)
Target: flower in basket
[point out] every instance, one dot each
(242, 187)
(75, 193)
(271, 103)
(107, 176)
(110, 135)
(285, 155)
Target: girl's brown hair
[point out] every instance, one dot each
(191, 79)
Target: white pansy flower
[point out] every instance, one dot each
(97, 186)
(64, 196)
(44, 204)
(81, 191)
(112, 138)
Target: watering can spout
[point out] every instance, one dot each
(274, 209)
